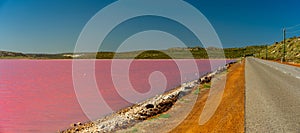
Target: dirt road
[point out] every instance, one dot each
(272, 97)
(229, 116)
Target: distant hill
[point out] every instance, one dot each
(6, 54)
(275, 51)
(171, 53)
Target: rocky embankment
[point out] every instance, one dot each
(130, 116)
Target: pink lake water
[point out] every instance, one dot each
(39, 95)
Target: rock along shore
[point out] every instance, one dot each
(129, 116)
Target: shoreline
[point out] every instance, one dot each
(128, 117)
(185, 115)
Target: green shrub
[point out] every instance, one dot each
(197, 91)
(164, 116)
(135, 130)
(206, 86)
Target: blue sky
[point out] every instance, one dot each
(53, 26)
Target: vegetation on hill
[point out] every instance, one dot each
(275, 51)
(172, 53)
(8, 55)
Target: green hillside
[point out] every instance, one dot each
(275, 51)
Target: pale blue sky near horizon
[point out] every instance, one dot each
(53, 26)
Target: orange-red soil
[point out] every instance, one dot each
(229, 116)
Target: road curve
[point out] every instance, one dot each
(272, 97)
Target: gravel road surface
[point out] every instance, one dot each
(272, 97)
